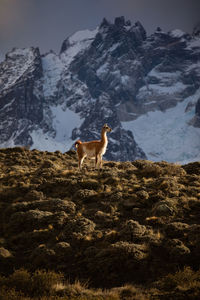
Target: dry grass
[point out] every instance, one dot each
(185, 278)
(109, 226)
(22, 285)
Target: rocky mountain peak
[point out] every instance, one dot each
(139, 31)
(122, 29)
(105, 23)
(21, 95)
(119, 21)
(115, 74)
(196, 30)
(18, 64)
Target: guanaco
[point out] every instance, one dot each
(93, 149)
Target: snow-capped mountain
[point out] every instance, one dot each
(146, 87)
(21, 96)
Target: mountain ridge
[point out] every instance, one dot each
(114, 74)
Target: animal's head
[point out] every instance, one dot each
(106, 128)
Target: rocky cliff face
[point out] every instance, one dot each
(114, 74)
(196, 31)
(21, 105)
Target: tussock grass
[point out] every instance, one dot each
(186, 278)
(23, 285)
(125, 224)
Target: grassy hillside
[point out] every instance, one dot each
(132, 228)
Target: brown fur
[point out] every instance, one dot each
(94, 149)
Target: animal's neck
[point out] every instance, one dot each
(104, 139)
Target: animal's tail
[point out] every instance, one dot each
(78, 143)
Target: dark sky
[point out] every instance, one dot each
(46, 23)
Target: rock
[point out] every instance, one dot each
(62, 249)
(21, 95)
(196, 119)
(4, 253)
(104, 23)
(196, 30)
(120, 21)
(197, 108)
(163, 208)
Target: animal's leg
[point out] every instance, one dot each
(96, 160)
(100, 161)
(80, 162)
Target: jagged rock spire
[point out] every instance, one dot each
(196, 30)
(104, 23)
(120, 21)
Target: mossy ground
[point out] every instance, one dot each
(125, 228)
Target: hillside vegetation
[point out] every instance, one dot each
(128, 231)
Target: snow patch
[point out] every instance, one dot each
(8, 105)
(161, 89)
(64, 121)
(194, 67)
(195, 43)
(177, 33)
(163, 75)
(80, 41)
(102, 69)
(82, 35)
(125, 79)
(113, 47)
(53, 67)
(167, 135)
